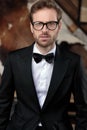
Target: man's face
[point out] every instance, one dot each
(45, 37)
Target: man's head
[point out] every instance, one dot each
(41, 4)
(45, 23)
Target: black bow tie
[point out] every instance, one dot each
(38, 57)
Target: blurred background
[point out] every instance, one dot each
(15, 30)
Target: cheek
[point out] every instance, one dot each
(35, 35)
(55, 34)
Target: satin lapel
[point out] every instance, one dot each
(27, 58)
(60, 67)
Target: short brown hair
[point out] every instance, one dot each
(40, 4)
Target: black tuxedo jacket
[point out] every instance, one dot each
(68, 76)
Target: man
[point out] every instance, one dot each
(43, 75)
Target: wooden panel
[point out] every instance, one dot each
(71, 7)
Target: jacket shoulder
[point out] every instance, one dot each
(65, 50)
(21, 50)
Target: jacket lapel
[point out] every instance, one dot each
(60, 67)
(27, 62)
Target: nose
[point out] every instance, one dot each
(45, 28)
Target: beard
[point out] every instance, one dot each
(45, 41)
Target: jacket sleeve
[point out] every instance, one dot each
(80, 95)
(6, 95)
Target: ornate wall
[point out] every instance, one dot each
(15, 30)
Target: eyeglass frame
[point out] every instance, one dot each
(43, 24)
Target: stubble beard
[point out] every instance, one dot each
(45, 47)
(45, 44)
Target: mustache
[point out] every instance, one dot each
(44, 34)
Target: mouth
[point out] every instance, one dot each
(44, 37)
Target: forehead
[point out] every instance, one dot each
(45, 15)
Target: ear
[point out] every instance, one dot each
(31, 27)
(60, 24)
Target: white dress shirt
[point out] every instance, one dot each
(42, 73)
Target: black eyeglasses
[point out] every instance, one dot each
(51, 25)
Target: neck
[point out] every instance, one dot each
(44, 49)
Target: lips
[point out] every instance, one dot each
(44, 37)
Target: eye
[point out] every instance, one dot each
(38, 24)
(52, 23)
